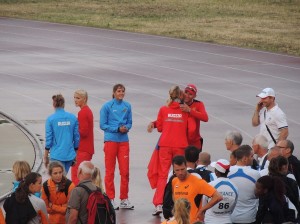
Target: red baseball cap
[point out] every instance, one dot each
(191, 88)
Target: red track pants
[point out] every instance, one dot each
(113, 151)
(166, 155)
(80, 157)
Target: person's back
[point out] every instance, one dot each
(244, 178)
(220, 212)
(172, 122)
(62, 125)
(22, 206)
(77, 211)
(62, 136)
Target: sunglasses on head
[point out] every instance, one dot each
(191, 88)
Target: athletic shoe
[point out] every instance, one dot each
(125, 203)
(157, 210)
(114, 204)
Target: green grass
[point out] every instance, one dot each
(272, 25)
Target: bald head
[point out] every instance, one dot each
(204, 159)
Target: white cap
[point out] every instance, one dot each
(222, 165)
(267, 92)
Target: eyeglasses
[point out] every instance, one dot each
(191, 88)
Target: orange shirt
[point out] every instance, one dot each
(59, 202)
(2, 220)
(189, 189)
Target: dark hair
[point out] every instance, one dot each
(62, 184)
(220, 174)
(191, 154)
(243, 150)
(178, 160)
(22, 191)
(58, 101)
(276, 165)
(274, 185)
(290, 144)
(117, 86)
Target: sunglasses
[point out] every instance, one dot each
(191, 88)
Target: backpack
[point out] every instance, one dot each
(168, 202)
(16, 212)
(205, 174)
(47, 192)
(99, 207)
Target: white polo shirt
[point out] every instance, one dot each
(275, 119)
(220, 212)
(246, 207)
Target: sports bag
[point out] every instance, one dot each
(99, 207)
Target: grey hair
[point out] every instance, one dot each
(290, 145)
(235, 136)
(261, 140)
(86, 169)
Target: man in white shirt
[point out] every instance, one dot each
(272, 118)
(244, 178)
(220, 212)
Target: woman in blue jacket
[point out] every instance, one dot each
(62, 136)
(116, 121)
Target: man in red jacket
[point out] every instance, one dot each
(197, 113)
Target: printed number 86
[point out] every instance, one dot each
(223, 205)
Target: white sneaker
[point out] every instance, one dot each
(157, 210)
(114, 204)
(125, 203)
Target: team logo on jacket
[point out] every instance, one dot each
(175, 115)
(63, 123)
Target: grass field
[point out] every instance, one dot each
(272, 25)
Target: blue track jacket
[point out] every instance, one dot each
(114, 114)
(62, 135)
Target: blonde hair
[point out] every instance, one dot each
(175, 94)
(96, 178)
(181, 211)
(83, 94)
(21, 169)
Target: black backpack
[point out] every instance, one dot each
(18, 213)
(168, 202)
(99, 207)
(205, 174)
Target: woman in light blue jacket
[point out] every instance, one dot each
(62, 136)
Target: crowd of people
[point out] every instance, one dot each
(255, 184)
(259, 183)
